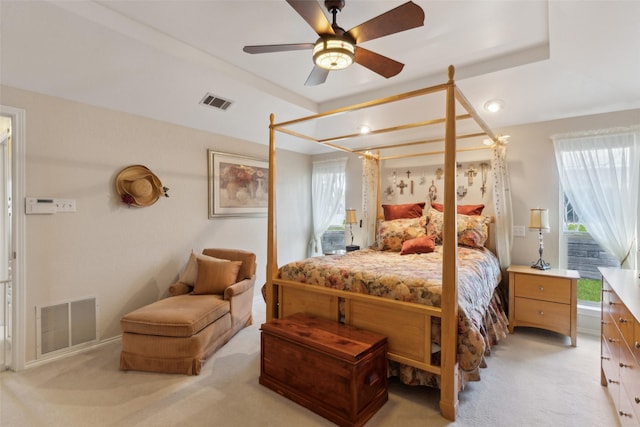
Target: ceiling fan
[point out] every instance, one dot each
(337, 49)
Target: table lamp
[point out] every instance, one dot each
(351, 219)
(539, 220)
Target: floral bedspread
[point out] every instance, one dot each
(417, 278)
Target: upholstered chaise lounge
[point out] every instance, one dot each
(179, 333)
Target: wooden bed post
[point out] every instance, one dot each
(378, 197)
(449, 362)
(272, 246)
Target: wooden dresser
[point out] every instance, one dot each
(335, 370)
(620, 358)
(544, 299)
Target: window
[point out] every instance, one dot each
(585, 255)
(328, 182)
(599, 174)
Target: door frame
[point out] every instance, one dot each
(18, 185)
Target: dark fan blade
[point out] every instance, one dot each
(268, 48)
(311, 12)
(377, 63)
(404, 17)
(317, 77)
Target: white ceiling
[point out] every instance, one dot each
(546, 59)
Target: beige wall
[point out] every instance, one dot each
(127, 257)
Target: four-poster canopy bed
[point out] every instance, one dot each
(392, 310)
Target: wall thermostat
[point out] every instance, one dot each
(40, 206)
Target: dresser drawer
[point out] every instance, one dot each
(630, 378)
(608, 299)
(609, 361)
(548, 315)
(544, 288)
(635, 344)
(623, 320)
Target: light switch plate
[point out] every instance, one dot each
(65, 205)
(518, 231)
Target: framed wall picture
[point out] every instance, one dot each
(237, 185)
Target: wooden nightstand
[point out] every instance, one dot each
(543, 299)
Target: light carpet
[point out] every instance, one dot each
(533, 378)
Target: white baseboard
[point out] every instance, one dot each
(589, 318)
(73, 352)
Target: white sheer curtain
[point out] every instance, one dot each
(599, 173)
(327, 187)
(502, 204)
(370, 178)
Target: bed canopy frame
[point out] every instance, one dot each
(362, 307)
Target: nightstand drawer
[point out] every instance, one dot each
(548, 315)
(543, 288)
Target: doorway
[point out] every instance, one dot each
(12, 235)
(6, 330)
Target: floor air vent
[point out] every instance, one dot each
(216, 102)
(66, 325)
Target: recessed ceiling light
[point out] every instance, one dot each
(494, 105)
(364, 129)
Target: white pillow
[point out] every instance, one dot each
(190, 272)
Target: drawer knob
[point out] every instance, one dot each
(637, 399)
(541, 313)
(541, 288)
(622, 365)
(624, 414)
(612, 303)
(612, 340)
(605, 358)
(637, 345)
(621, 320)
(613, 382)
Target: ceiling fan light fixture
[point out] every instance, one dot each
(332, 53)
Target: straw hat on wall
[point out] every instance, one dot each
(138, 186)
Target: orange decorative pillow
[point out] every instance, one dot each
(190, 272)
(462, 209)
(408, 210)
(419, 245)
(214, 276)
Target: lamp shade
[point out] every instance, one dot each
(351, 216)
(539, 219)
(333, 53)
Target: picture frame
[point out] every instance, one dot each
(238, 185)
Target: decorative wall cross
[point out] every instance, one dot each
(402, 186)
(470, 173)
(483, 169)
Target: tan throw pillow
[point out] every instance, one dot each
(214, 276)
(190, 272)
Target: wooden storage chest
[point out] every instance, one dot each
(337, 371)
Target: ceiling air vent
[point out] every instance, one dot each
(216, 102)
